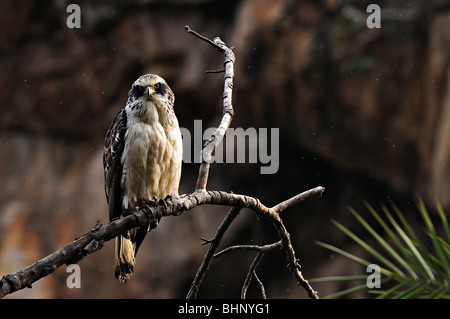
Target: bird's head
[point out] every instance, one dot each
(150, 88)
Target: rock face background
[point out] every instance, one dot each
(363, 112)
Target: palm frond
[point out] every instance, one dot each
(410, 266)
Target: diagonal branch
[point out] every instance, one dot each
(261, 285)
(203, 38)
(294, 200)
(252, 273)
(195, 286)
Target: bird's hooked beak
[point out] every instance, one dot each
(149, 91)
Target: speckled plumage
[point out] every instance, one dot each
(142, 160)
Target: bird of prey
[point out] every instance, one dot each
(142, 161)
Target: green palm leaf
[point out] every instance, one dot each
(410, 266)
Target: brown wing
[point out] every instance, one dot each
(112, 154)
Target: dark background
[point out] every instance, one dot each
(363, 112)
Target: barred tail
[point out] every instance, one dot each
(124, 258)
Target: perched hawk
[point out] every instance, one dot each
(142, 160)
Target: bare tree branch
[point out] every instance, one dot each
(228, 110)
(251, 273)
(261, 285)
(94, 239)
(296, 199)
(201, 37)
(264, 249)
(252, 270)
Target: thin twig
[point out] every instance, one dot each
(201, 37)
(250, 273)
(252, 270)
(215, 71)
(261, 285)
(265, 248)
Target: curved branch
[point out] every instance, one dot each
(93, 240)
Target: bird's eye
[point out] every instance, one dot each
(156, 86)
(141, 88)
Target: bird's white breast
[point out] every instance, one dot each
(151, 160)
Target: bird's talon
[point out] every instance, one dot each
(162, 202)
(148, 204)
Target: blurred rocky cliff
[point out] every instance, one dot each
(363, 112)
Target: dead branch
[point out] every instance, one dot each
(260, 249)
(252, 270)
(228, 111)
(200, 275)
(94, 240)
